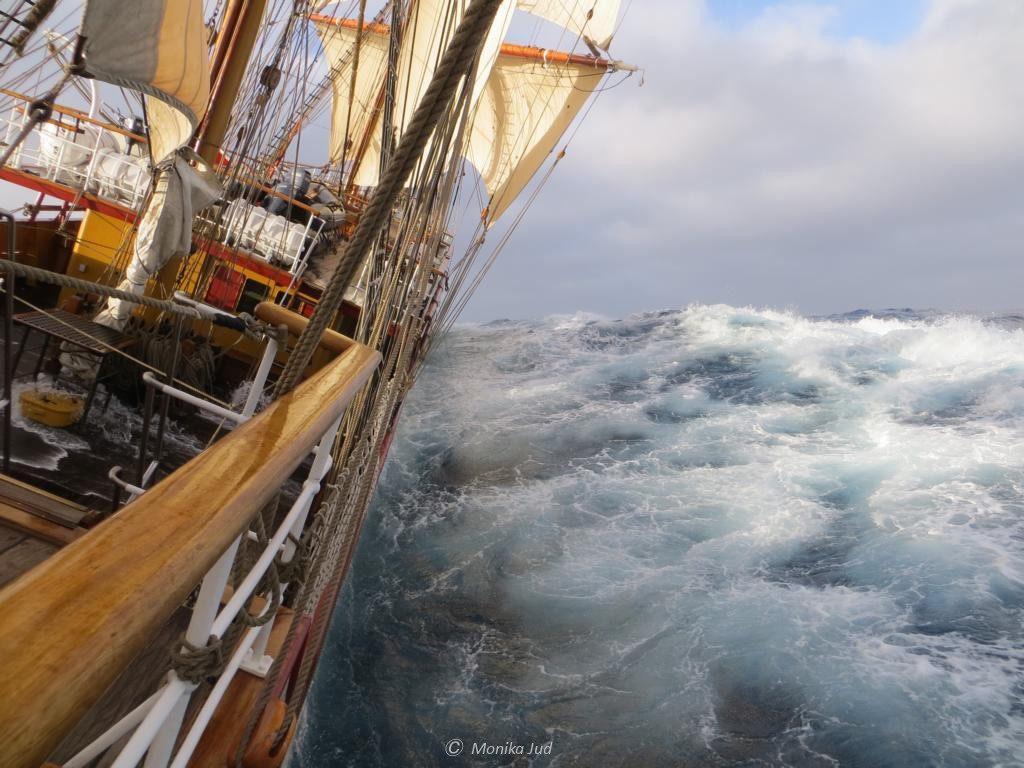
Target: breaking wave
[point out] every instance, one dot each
(705, 537)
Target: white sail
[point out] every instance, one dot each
(429, 29)
(524, 111)
(592, 19)
(350, 117)
(491, 48)
(502, 138)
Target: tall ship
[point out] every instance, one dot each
(244, 225)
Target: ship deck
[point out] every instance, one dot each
(57, 487)
(33, 525)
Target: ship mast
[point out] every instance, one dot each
(235, 43)
(230, 60)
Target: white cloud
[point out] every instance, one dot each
(776, 164)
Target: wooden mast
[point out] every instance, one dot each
(231, 57)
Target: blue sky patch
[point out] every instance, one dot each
(881, 21)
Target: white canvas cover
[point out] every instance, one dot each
(164, 232)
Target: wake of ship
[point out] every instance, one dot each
(714, 536)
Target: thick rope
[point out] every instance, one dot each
(456, 63)
(36, 16)
(66, 281)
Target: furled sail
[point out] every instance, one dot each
(157, 47)
(524, 110)
(592, 19)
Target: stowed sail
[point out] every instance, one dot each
(522, 102)
(160, 50)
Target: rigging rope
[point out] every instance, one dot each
(66, 281)
(456, 63)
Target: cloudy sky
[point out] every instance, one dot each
(818, 156)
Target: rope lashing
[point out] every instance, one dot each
(198, 663)
(456, 63)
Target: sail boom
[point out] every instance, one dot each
(546, 56)
(374, 27)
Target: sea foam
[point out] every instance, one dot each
(713, 536)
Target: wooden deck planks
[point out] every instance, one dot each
(23, 555)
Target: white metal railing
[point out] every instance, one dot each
(79, 155)
(157, 721)
(265, 235)
(248, 408)
(102, 610)
(155, 724)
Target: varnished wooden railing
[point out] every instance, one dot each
(70, 625)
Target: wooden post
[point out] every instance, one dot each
(224, 92)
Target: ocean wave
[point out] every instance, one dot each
(711, 536)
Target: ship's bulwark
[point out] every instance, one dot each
(706, 537)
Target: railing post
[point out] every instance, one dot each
(198, 634)
(93, 160)
(8, 337)
(159, 754)
(260, 379)
(256, 661)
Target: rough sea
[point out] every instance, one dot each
(705, 537)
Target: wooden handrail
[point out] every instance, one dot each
(275, 314)
(72, 624)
